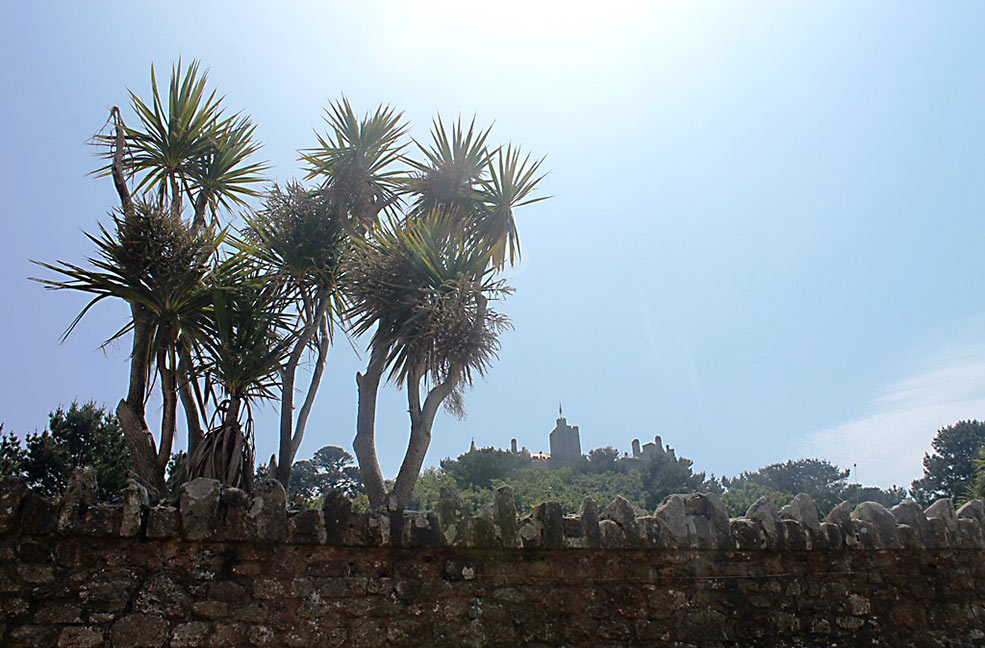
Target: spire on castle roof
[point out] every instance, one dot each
(472, 447)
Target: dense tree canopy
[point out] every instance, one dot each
(949, 470)
(82, 435)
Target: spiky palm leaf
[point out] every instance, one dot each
(299, 240)
(509, 185)
(188, 147)
(245, 332)
(426, 292)
(152, 261)
(221, 173)
(354, 163)
(451, 173)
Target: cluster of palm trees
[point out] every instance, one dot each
(403, 250)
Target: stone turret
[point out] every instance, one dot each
(565, 444)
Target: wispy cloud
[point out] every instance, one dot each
(889, 439)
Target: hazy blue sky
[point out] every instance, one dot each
(765, 240)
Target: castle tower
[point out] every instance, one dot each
(565, 443)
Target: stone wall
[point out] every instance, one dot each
(227, 569)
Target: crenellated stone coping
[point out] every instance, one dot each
(210, 512)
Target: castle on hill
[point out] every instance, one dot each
(565, 445)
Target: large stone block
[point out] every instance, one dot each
(199, 508)
(81, 493)
(883, 522)
(673, 513)
(621, 512)
(267, 516)
(803, 510)
(763, 512)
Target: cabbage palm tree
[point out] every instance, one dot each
(153, 261)
(299, 240)
(430, 266)
(241, 344)
(186, 149)
(425, 295)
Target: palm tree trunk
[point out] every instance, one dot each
(421, 422)
(130, 410)
(188, 402)
(309, 399)
(364, 444)
(284, 455)
(169, 387)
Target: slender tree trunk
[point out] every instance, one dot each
(188, 402)
(201, 203)
(421, 422)
(284, 455)
(364, 444)
(291, 431)
(130, 410)
(119, 177)
(169, 388)
(309, 399)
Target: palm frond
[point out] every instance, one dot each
(354, 162)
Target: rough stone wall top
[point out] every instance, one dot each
(228, 569)
(208, 511)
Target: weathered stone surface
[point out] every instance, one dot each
(162, 522)
(764, 513)
(841, 515)
(944, 509)
(505, 516)
(673, 513)
(707, 521)
(796, 536)
(234, 497)
(12, 491)
(306, 527)
(613, 535)
(803, 510)
(942, 524)
(975, 509)
(588, 513)
(451, 512)
(908, 537)
(747, 535)
(140, 631)
(102, 521)
(969, 534)
(81, 637)
(416, 529)
(832, 536)
(193, 634)
(199, 508)
(653, 533)
(551, 518)
(85, 590)
(911, 514)
(80, 494)
(883, 522)
(336, 509)
(268, 511)
(135, 502)
(621, 512)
